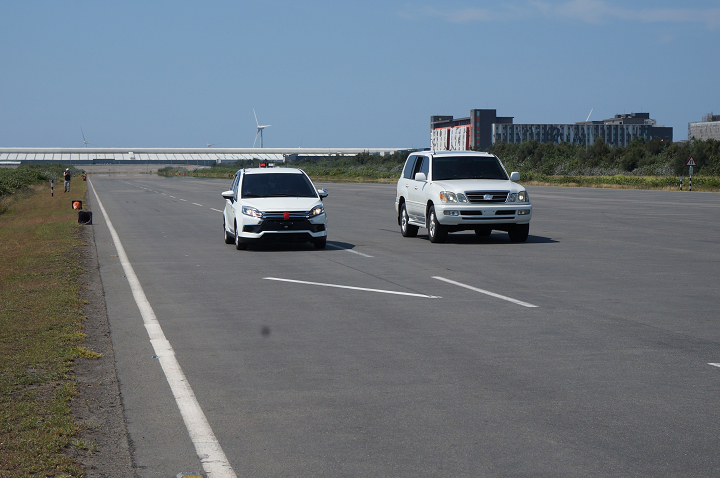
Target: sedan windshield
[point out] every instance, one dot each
(467, 167)
(269, 185)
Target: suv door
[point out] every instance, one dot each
(416, 189)
(403, 184)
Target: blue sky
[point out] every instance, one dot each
(343, 74)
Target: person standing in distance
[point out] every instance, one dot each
(68, 175)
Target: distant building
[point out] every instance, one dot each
(484, 128)
(708, 128)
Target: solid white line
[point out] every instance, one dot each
(492, 294)
(348, 250)
(208, 449)
(715, 364)
(355, 288)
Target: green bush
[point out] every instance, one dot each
(13, 179)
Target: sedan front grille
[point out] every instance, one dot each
(281, 215)
(487, 196)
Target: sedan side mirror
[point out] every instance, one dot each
(323, 193)
(514, 176)
(229, 195)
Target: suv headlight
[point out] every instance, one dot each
(252, 212)
(316, 211)
(512, 197)
(449, 196)
(522, 196)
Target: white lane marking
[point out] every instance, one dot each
(184, 200)
(218, 210)
(715, 364)
(196, 204)
(348, 250)
(172, 197)
(355, 288)
(208, 449)
(492, 294)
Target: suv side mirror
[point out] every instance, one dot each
(514, 176)
(229, 195)
(420, 177)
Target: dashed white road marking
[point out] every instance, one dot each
(715, 364)
(486, 292)
(218, 210)
(196, 204)
(184, 200)
(208, 449)
(355, 288)
(348, 250)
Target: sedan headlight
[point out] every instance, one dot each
(522, 196)
(252, 212)
(316, 211)
(449, 196)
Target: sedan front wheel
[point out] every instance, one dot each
(240, 246)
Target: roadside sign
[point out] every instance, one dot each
(691, 162)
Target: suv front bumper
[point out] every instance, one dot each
(475, 215)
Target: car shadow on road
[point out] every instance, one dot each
(298, 246)
(494, 238)
(497, 237)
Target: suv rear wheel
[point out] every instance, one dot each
(436, 231)
(407, 229)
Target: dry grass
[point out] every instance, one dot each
(40, 332)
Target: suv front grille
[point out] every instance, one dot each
(486, 196)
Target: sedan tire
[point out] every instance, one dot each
(240, 246)
(228, 238)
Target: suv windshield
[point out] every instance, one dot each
(270, 185)
(467, 167)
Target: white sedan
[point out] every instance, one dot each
(274, 205)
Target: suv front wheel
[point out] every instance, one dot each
(436, 231)
(519, 232)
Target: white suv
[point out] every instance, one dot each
(453, 191)
(274, 205)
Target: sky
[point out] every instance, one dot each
(340, 73)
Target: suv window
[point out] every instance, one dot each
(422, 165)
(408, 171)
(277, 185)
(467, 167)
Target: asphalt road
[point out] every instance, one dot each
(608, 375)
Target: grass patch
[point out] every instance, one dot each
(41, 331)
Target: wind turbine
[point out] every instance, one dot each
(259, 130)
(85, 143)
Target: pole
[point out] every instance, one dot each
(681, 180)
(690, 189)
(52, 190)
